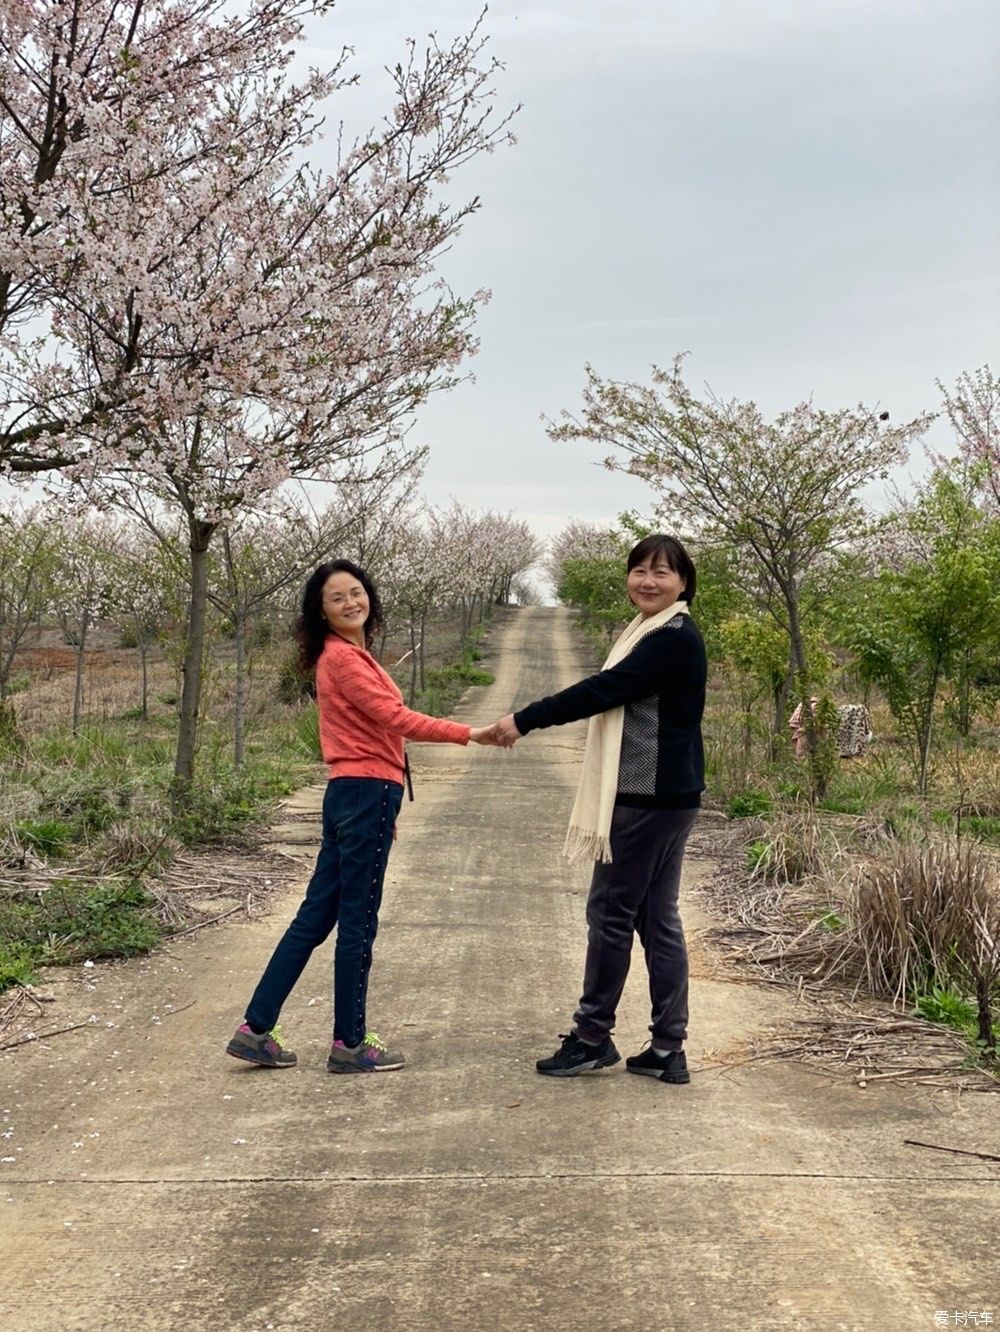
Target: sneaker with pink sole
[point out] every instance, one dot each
(264, 1049)
(371, 1056)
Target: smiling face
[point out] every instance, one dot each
(653, 586)
(345, 606)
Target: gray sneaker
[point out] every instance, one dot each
(265, 1050)
(371, 1056)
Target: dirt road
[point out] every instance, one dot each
(151, 1183)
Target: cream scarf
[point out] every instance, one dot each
(589, 835)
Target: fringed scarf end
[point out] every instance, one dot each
(585, 844)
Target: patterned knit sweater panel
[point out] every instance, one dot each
(362, 717)
(661, 687)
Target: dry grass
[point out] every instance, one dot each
(790, 847)
(924, 912)
(872, 1043)
(869, 915)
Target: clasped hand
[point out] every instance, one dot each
(502, 733)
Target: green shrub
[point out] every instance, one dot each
(223, 802)
(749, 803)
(949, 1008)
(50, 837)
(17, 966)
(294, 684)
(985, 826)
(462, 673)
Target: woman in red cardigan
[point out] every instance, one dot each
(362, 724)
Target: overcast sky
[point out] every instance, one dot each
(803, 194)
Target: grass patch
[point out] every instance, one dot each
(73, 921)
(749, 804)
(17, 965)
(951, 1009)
(49, 837)
(225, 801)
(984, 826)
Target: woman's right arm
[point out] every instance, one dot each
(376, 700)
(657, 663)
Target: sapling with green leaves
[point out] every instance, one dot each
(783, 492)
(932, 610)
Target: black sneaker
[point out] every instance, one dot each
(670, 1067)
(575, 1056)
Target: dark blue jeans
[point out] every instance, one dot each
(359, 814)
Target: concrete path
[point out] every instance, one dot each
(156, 1184)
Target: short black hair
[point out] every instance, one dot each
(311, 628)
(673, 553)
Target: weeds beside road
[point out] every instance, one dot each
(88, 835)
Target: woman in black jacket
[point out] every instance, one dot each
(638, 799)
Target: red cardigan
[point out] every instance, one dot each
(362, 718)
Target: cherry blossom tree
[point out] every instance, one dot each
(26, 559)
(147, 593)
(581, 540)
(83, 585)
(218, 316)
(260, 557)
(972, 406)
(511, 549)
(783, 493)
(413, 585)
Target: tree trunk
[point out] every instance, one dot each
(927, 727)
(965, 693)
(144, 700)
(422, 650)
(7, 660)
(239, 696)
(194, 648)
(780, 699)
(78, 685)
(817, 775)
(413, 661)
(985, 1015)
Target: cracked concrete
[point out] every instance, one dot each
(156, 1184)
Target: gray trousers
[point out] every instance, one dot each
(638, 893)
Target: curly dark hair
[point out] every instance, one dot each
(311, 629)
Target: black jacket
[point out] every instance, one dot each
(661, 685)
